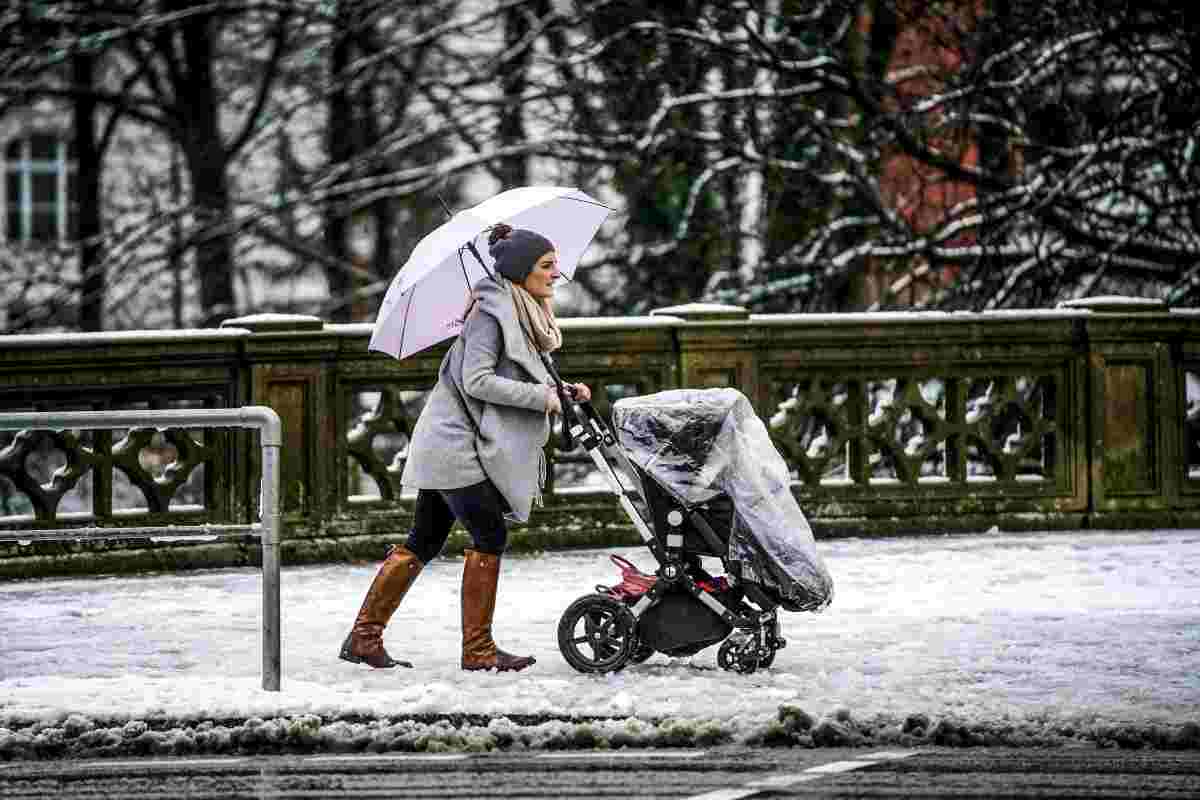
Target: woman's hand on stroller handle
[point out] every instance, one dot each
(561, 397)
(579, 392)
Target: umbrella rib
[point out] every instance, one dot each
(407, 310)
(589, 201)
(462, 263)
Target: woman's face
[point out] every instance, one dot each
(540, 280)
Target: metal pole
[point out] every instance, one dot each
(272, 665)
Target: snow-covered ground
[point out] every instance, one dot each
(1064, 632)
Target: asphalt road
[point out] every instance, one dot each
(718, 774)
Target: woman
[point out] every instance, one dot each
(476, 454)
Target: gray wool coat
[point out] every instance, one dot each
(494, 375)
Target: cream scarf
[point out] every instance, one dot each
(541, 332)
(537, 321)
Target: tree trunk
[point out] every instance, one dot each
(993, 140)
(207, 161)
(88, 168)
(177, 243)
(340, 145)
(383, 212)
(214, 250)
(514, 171)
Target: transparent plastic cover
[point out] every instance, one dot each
(700, 443)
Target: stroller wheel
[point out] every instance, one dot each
(595, 634)
(738, 655)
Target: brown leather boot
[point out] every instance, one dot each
(364, 643)
(481, 573)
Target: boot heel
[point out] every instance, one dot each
(347, 654)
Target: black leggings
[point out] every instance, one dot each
(479, 507)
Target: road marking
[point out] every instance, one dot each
(626, 754)
(784, 780)
(391, 757)
(841, 766)
(725, 794)
(889, 755)
(164, 762)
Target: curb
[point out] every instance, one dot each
(77, 736)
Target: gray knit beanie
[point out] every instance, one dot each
(516, 250)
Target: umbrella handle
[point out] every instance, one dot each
(479, 258)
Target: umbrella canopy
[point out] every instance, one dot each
(425, 302)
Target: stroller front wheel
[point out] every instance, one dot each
(740, 655)
(596, 634)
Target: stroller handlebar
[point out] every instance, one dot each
(583, 413)
(578, 415)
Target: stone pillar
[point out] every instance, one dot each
(717, 347)
(1133, 431)
(287, 361)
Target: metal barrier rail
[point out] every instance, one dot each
(270, 429)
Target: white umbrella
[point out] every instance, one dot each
(426, 299)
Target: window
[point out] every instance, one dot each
(38, 183)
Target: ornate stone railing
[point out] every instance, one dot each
(1082, 416)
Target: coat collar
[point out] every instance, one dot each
(495, 298)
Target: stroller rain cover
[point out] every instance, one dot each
(700, 443)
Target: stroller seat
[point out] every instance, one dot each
(718, 512)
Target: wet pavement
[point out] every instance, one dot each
(715, 774)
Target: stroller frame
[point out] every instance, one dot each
(611, 620)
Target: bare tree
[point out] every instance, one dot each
(1004, 153)
(164, 71)
(832, 155)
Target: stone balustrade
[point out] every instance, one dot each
(1084, 416)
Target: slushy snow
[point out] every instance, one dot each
(1079, 634)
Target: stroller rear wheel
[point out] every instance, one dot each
(596, 634)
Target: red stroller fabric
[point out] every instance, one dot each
(634, 583)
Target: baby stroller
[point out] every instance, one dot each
(706, 482)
